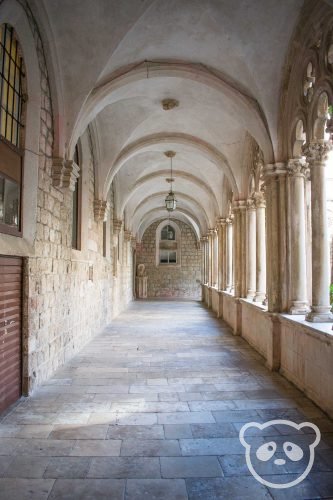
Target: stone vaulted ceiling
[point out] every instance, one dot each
(115, 61)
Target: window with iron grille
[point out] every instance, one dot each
(11, 125)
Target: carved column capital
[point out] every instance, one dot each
(100, 210)
(259, 199)
(64, 173)
(297, 167)
(317, 152)
(250, 204)
(222, 221)
(229, 220)
(117, 226)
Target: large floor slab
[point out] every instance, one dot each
(152, 408)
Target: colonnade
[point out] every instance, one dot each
(259, 250)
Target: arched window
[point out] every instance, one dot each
(11, 125)
(168, 244)
(168, 233)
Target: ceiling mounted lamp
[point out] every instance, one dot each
(170, 200)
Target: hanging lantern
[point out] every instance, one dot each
(170, 200)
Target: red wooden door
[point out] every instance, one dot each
(10, 330)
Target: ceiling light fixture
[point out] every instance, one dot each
(169, 104)
(170, 200)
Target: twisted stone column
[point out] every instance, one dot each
(317, 154)
(298, 170)
(260, 203)
(251, 248)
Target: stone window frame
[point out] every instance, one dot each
(12, 144)
(158, 240)
(13, 13)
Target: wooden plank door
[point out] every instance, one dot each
(10, 330)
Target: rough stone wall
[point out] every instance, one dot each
(63, 307)
(172, 281)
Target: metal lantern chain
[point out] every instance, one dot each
(170, 200)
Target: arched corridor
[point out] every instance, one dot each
(166, 248)
(152, 408)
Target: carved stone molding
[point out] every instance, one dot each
(100, 210)
(64, 173)
(117, 226)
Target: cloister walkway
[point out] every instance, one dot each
(151, 409)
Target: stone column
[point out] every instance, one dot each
(260, 247)
(222, 252)
(251, 248)
(297, 169)
(236, 249)
(207, 259)
(242, 232)
(210, 257)
(203, 259)
(317, 154)
(215, 258)
(283, 215)
(229, 251)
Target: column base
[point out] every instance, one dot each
(319, 314)
(299, 307)
(259, 297)
(251, 294)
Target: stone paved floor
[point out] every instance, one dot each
(151, 409)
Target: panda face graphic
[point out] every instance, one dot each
(291, 450)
